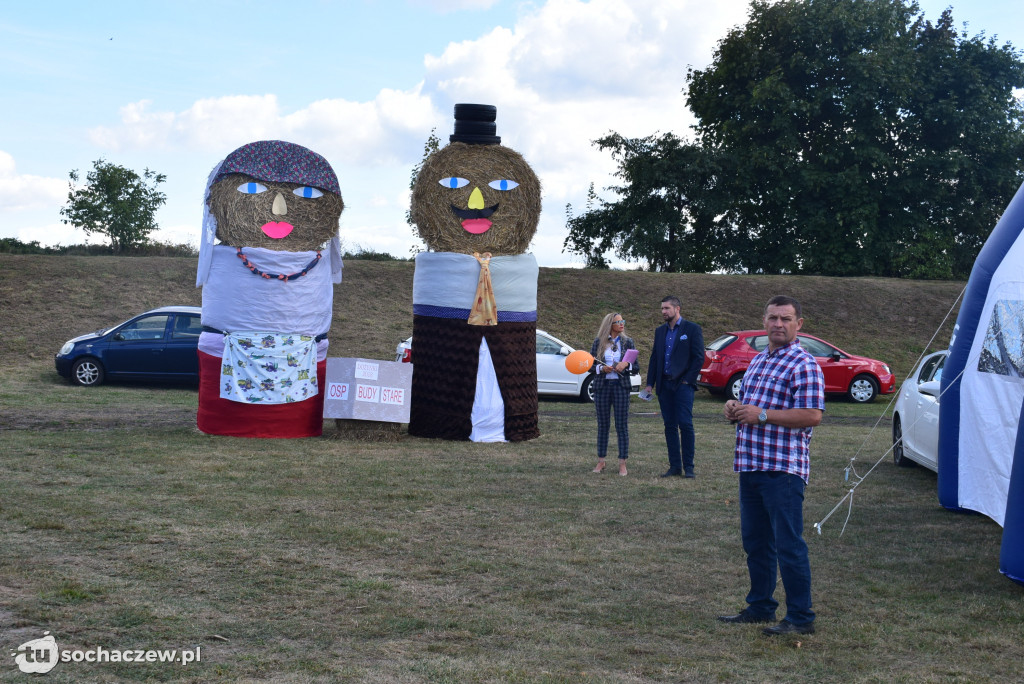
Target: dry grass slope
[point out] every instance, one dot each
(48, 299)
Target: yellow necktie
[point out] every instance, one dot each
(484, 311)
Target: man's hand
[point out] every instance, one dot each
(741, 413)
(791, 418)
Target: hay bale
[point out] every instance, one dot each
(240, 216)
(367, 430)
(516, 212)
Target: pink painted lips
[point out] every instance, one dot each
(477, 225)
(277, 230)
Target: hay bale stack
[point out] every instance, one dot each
(240, 216)
(516, 212)
(367, 430)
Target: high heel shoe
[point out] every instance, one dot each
(622, 468)
(600, 467)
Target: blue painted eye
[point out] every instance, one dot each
(306, 191)
(503, 184)
(252, 188)
(454, 182)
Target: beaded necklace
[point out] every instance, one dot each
(278, 276)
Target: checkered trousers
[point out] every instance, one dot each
(609, 394)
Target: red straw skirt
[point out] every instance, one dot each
(217, 416)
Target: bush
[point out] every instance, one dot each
(16, 246)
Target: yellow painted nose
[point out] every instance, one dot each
(280, 207)
(476, 199)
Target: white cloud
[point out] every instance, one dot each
(182, 234)
(571, 72)
(53, 234)
(20, 192)
(369, 133)
(566, 73)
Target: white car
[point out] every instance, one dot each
(915, 418)
(552, 376)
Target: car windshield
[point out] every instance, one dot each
(721, 343)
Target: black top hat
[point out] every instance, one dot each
(474, 125)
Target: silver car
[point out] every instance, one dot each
(915, 418)
(552, 376)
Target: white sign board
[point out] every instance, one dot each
(363, 389)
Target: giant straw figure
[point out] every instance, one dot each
(476, 205)
(267, 290)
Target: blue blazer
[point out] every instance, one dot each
(687, 356)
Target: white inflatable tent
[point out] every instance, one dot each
(981, 448)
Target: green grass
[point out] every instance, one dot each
(325, 560)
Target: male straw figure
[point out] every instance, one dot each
(476, 205)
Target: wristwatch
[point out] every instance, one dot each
(762, 417)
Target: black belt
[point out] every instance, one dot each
(206, 328)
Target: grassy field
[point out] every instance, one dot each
(325, 560)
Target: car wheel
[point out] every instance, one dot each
(87, 372)
(732, 388)
(898, 457)
(587, 391)
(863, 389)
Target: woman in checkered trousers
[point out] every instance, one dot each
(611, 386)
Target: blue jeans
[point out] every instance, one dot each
(772, 526)
(677, 412)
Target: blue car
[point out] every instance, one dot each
(158, 345)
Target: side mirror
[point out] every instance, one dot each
(836, 356)
(119, 337)
(932, 388)
(564, 351)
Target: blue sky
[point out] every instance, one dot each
(174, 86)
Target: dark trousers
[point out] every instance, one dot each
(608, 394)
(772, 526)
(677, 412)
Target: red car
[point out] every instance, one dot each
(858, 377)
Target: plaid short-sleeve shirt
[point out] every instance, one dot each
(787, 378)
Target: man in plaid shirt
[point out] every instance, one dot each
(781, 399)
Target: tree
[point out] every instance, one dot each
(664, 217)
(115, 202)
(871, 141)
(432, 145)
(835, 137)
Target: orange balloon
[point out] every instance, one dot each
(578, 362)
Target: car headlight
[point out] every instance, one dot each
(66, 349)
(886, 367)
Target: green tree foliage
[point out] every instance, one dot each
(845, 137)
(432, 145)
(116, 202)
(665, 216)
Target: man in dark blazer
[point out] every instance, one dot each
(676, 360)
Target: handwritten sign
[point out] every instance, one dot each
(370, 393)
(337, 390)
(363, 389)
(394, 396)
(365, 370)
